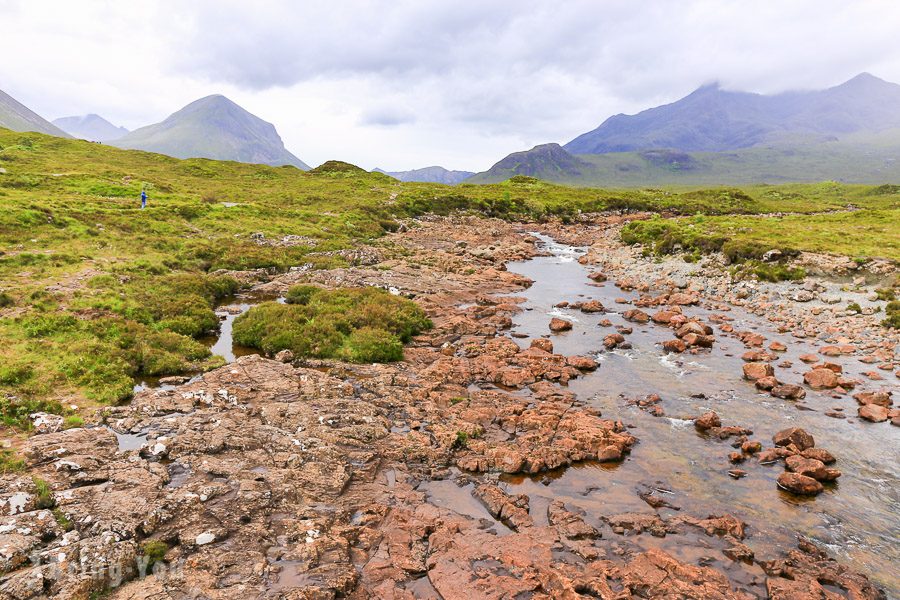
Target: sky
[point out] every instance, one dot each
(402, 84)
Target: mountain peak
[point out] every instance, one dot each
(91, 127)
(214, 127)
(16, 116)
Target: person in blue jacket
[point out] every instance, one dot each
(143, 198)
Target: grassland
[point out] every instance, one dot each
(95, 292)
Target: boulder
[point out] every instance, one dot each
(873, 413)
(881, 398)
(799, 484)
(818, 454)
(636, 315)
(796, 436)
(582, 363)
(592, 306)
(557, 325)
(758, 370)
(788, 391)
(811, 468)
(766, 383)
(675, 345)
(707, 421)
(542, 344)
(612, 340)
(821, 379)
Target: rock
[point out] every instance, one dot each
(737, 473)
(881, 398)
(512, 510)
(799, 484)
(542, 344)
(582, 363)
(766, 383)
(803, 296)
(707, 421)
(811, 468)
(675, 345)
(809, 358)
(788, 391)
(173, 380)
(636, 315)
(796, 436)
(597, 276)
(664, 317)
(829, 351)
(46, 422)
(592, 306)
(873, 413)
(612, 340)
(558, 325)
(758, 370)
(821, 379)
(777, 346)
(751, 447)
(818, 454)
(284, 356)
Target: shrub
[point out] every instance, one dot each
(892, 315)
(6, 300)
(887, 294)
(355, 324)
(370, 345)
(154, 551)
(44, 495)
(854, 307)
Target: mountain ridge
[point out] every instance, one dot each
(16, 116)
(432, 174)
(213, 127)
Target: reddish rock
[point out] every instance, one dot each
(881, 398)
(592, 306)
(612, 340)
(674, 346)
(756, 356)
(542, 344)
(873, 413)
(582, 363)
(736, 457)
(796, 436)
(799, 484)
(809, 358)
(788, 391)
(664, 317)
(831, 366)
(597, 276)
(636, 315)
(707, 421)
(818, 454)
(777, 347)
(821, 379)
(811, 468)
(766, 383)
(557, 325)
(758, 370)
(751, 447)
(830, 351)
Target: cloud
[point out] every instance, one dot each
(404, 83)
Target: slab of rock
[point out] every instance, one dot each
(821, 379)
(557, 324)
(873, 413)
(758, 370)
(788, 391)
(799, 484)
(796, 436)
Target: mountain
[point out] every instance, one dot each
(714, 120)
(429, 175)
(213, 127)
(90, 127)
(547, 161)
(18, 117)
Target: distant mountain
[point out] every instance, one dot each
(429, 175)
(213, 127)
(547, 161)
(18, 117)
(714, 120)
(90, 127)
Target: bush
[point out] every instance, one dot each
(354, 324)
(892, 313)
(887, 294)
(854, 307)
(772, 272)
(154, 551)
(73, 422)
(44, 495)
(6, 300)
(371, 345)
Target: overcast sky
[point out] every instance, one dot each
(403, 84)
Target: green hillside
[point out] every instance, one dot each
(18, 117)
(95, 292)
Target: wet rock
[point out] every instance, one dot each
(542, 344)
(766, 383)
(597, 276)
(751, 447)
(777, 346)
(582, 363)
(570, 525)
(758, 370)
(799, 484)
(612, 340)
(707, 421)
(656, 574)
(811, 468)
(636, 315)
(676, 346)
(880, 398)
(796, 436)
(809, 358)
(558, 325)
(592, 306)
(821, 379)
(788, 391)
(819, 454)
(512, 510)
(873, 413)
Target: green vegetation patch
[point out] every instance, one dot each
(360, 325)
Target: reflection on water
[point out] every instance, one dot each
(857, 518)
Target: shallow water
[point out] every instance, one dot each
(857, 519)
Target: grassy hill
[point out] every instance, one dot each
(95, 292)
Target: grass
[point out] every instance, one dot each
(95, 292)
(10, 462)
(154, 551)
(360, 325)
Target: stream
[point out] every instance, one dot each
(857, 518)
